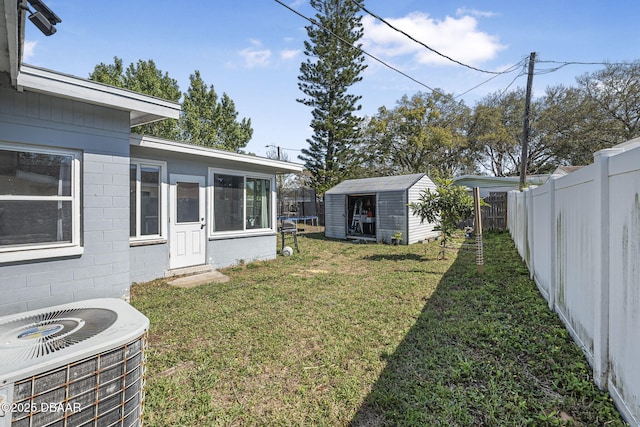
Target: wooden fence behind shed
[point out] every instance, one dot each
(494, 216)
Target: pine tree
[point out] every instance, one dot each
(143, 77)
(205, 120)
(212, 122)
(333, 65)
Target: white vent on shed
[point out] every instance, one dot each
(78, 364)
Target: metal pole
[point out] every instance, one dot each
(478, 227)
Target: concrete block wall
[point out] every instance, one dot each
(101, 136)
(148, 262)
(227, 252)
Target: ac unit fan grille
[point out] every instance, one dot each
(44, 333)
(106, 389)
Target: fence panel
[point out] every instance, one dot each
(541, 249)
(576, 252)
(624, 278)
(580, 237)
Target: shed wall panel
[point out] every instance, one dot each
(391, 215)
(418, 230)
(335, 221)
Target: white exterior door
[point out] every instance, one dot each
(188, 232)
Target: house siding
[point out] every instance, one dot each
(334, 220)
(102, 136)
(151, 261)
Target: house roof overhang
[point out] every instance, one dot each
(142, 108)
(226, 158)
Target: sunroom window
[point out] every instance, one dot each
(258, 196)
(146, 195)
(39, 206)
(240, 203)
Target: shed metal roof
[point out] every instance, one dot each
(376, 185)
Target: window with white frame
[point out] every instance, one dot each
(240, 202)
(147, 195)
(39, 198)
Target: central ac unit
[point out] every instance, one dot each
(78, 364)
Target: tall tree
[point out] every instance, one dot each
(143, 77)
(111, 74)
(495, 132)
(205, 119)
(615, 90)
(423, 133)
(571, 125)
(333, 65)
(209, 121)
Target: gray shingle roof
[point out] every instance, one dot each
(376, 185)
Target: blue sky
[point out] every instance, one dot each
(252, 49)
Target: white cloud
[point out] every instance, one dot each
(255, 56)
(475, 12)
(289, 54)
(458, 38)
(29, 50)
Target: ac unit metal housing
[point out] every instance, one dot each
(77, 364)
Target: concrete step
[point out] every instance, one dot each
(199, 279)
(195, 269)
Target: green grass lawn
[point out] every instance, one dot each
(366, 335)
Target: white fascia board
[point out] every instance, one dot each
(143, 108)
(278, 166)
(485, 181)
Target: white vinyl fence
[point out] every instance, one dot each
(580, 237)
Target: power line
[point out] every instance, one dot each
(508, 70)
(357, 3)
(512, 82)
(314, 22)
(566, 63)
(496, 73)
(355, 47)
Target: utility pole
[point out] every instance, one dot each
(277, 147)
(525, 127)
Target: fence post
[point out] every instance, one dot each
(532, 238)
(553, 242)
(601, 314)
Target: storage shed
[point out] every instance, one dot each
(375, 209)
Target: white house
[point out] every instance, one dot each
(87, 208)
(497, 184)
